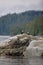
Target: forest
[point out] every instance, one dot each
(29, 21)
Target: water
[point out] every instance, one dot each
(21, 61)
(26, 60)
(3, 38)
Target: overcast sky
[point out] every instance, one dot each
(11, 6)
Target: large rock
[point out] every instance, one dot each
(35, 48)
(16, 45)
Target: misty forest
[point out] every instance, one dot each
(28, 21)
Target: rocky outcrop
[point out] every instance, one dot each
(35, 48)
(15, 45)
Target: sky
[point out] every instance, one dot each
(18, 6)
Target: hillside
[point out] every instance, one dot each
(14, 23)
(35, 27)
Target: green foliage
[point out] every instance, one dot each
(30, 21)
(35, 27)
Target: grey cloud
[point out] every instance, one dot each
(10, 6)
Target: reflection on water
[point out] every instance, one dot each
(21, 61)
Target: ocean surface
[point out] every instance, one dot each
(19, 60)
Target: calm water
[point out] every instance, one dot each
(19, 60)
(3, 38)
